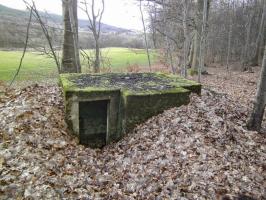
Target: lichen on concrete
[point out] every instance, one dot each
(132, 98)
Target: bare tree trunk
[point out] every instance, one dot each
(203, 40)
(197, 35)
(145, 34)
(74, 22)
(246, 57)
(196, 44)
(261, 35)
(185, 51)
(97, 57)
(229, 39)
(255, 120)
(70, 57)
(191, 53)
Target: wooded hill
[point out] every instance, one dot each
(13, 24)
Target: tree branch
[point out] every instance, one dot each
(25, 48)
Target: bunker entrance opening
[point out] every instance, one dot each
(93, 122)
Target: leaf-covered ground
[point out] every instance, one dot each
(198, 151)
(240, 86)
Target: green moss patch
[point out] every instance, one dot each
(135, 82)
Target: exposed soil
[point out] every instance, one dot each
(132, 81)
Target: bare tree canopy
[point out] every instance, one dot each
(95, 17)
(234, 31)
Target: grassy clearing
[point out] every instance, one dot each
(34, 66)
(37, 67)
(121, 57)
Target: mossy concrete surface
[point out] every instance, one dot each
(127, 99)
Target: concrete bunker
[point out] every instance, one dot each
(101, 108)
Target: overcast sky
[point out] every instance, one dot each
(121, 13)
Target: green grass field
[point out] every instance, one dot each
(38, 67)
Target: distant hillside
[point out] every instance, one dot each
(13, 25)
(7, 13)
(4, 11)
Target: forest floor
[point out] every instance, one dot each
(198, 151)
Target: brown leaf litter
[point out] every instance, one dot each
(198, 151)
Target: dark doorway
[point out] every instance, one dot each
(93, 123)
